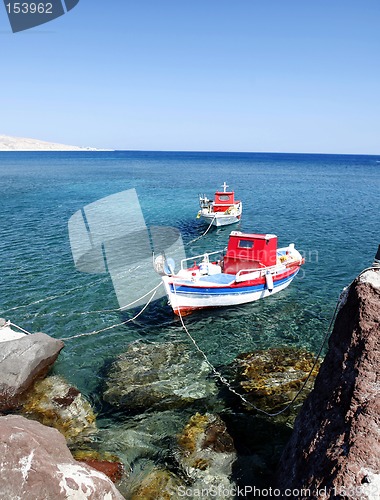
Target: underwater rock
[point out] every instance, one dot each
(55, 403)
(159, 484)
(335, 449)
(22, 361)
(206, 454)
(158, 376)
(150, 437)
(259, 443)
(36, 463)
(271, 378)
(107, 463)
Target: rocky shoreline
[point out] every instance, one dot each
(334, 451)
(179, 432)
(8, 143)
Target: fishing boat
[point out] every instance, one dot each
(251, 268)
(223, 210)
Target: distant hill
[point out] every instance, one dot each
(8, 143)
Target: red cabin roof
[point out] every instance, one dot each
(250, 251)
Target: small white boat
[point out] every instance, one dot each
(252, 268)
(223, 210)
(6, 332)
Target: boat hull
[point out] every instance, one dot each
(185, 297)
(221, 220)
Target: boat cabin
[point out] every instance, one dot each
(224, 199)
(249, 251)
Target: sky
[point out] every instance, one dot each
(297, 76)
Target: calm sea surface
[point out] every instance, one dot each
(328, 205)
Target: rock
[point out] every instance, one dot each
(150, 436)
(334, 451)
(36, 463)
(159, 484)
(207, 454)
(159, 376)
(53, 402)
(271, 378)
(109, 464)
(22, 361)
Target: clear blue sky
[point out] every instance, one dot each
(216, 75)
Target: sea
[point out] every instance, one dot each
(328, 205)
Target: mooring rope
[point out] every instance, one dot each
(100, 280)
(52, 297)
(95, 332)
(225, 382)
(202, 235)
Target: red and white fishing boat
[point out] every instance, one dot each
(251, 268)
(223, 210)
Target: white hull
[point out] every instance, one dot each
(220, 220)
(193, 300)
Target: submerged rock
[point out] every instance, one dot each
(22, 361)
(107, 463)
(334, 451)
(158, 484)
(143, 437)
(36, 463)
(270, 379)
(206, 454)
(158, 376)
(56, 403)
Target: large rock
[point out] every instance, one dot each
(22, 361)
(334, 451)
(269, 379)
(36, 463)
(159, 376)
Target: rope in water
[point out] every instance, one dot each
(95, 332)
(153, 291)
(94, 283)
(202, 235)
(101, 280)
(52, 297)
(225, 382)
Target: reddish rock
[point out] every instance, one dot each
(113, 470)
(36, 463)
(334, 451)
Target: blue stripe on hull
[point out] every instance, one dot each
(203, 291)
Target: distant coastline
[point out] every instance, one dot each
(9, 143)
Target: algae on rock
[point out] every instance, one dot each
(271, 378)
(206, 454)
(55, 403)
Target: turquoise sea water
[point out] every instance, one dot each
(328, 205)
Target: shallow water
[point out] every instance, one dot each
(328, 205)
